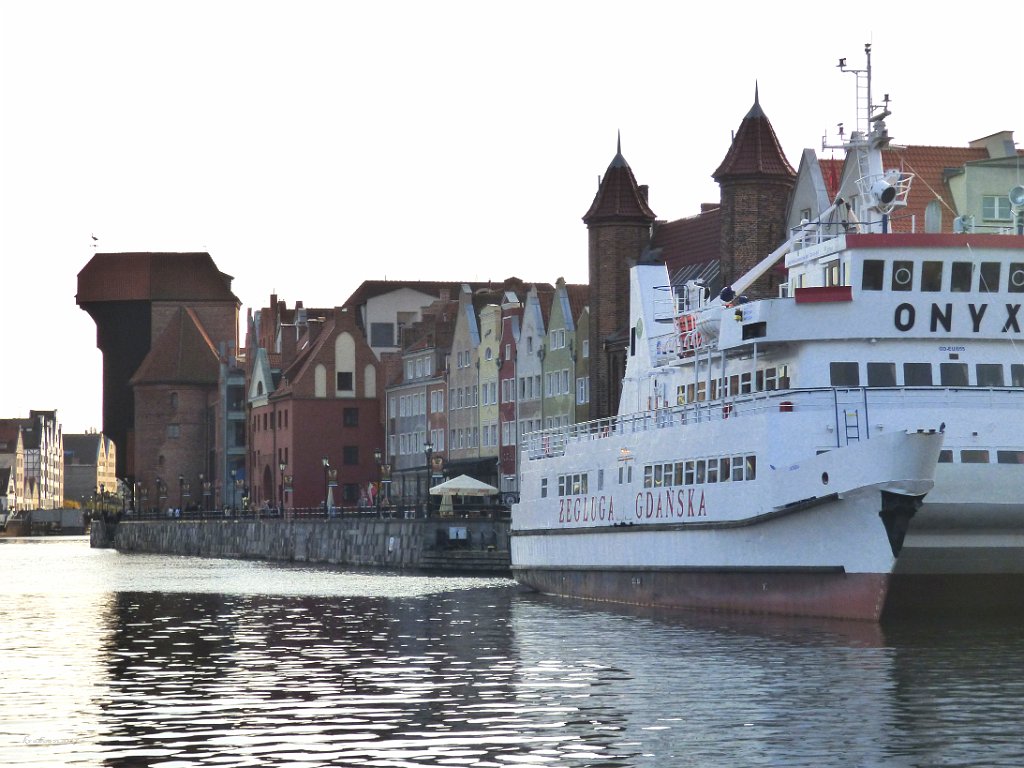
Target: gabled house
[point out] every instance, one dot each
(90, 466)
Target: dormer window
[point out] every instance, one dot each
(996, 208)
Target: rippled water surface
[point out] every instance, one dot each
(121, 660)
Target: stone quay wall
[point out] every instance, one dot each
(473, 545)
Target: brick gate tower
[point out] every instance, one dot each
(619, 228)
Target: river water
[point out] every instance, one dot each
(140, 660)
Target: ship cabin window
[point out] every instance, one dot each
(953, 374)
(1017, 375)
(974, 456)
(833, 274)
(931, 276)
(902, 275)
(700, 471)
(844, 375)
(543, 487)
(917, 374)
(989, 280)
(1010, 457)
(1016, 278)
(626, 474)
(873, 275)
(572, 485)
(945, 456)
(990, 375)
(881, 374)
(600, 479)
(960, 277)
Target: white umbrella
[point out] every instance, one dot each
(463, 485)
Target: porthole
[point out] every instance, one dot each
(824, 478)
(903, 276)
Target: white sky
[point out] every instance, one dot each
(311, 145)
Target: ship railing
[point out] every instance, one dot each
(844, 413)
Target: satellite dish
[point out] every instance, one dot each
(1017, 195)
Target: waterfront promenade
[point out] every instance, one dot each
(470, 544)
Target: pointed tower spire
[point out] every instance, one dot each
(619, 197)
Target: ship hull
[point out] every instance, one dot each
(817, 592)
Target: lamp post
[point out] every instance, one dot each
(282, 466)
(181, 491)
(234, 473)
(327, 468)
(202, 490)
(377, 455)
(144, 497)
(428, 449)
(207, 485)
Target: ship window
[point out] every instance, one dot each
(678, 473)
(953, 374)
(1016, 278)
(700, 471)
(989, 281)
(667, 474)
(832, 274)
(917, 374)
(620, 475)
(902, 275)
(561, 485)
(688, 475)
(629, 474)
(844, 374)
(745, 383)
(945, 456)
(1017, 375)
(723, 470)
(737, 468)
(931, 276)
(990, 375)
(600, 479)
(881, 374)
(712, 472)
(543, 487)
(960, 279)
(659, 476)
(701, 389)
(1010, 457)
(751, 467)
(771, 379)
(648, 477)
(974, 456)
(873, 277)
(680, 395)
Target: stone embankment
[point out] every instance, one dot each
(435, 544)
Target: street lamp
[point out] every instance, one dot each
(377, 455)
(282, 466)
(428, 449)
(202, 489)
(181, 491)
(327, 468)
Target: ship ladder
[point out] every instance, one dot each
(852, 419)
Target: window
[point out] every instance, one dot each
(1017, 375)
(543, 487)
(960, 279)
(345, 381)
(945, 456)
(902, 275)
(844, 374)
(174, 430)
(583, 390)
(174, 401)
(931, 276)
(917, 374)
(881, 374)
(350, 455)
(1016, 284)
(382, 334)
(996, 208)
(350, 417)
(989, 282)
(1010, 457)
(990, 375)
(873, 275)
(586, 348)
(973, 456)
(953, 374)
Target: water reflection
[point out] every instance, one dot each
(141, 661)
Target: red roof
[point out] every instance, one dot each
(618, 197)
(755, 150)
(689, 241)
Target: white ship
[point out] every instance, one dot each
(850, 448)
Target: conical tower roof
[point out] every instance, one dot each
(618, 197)
(755, 150)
